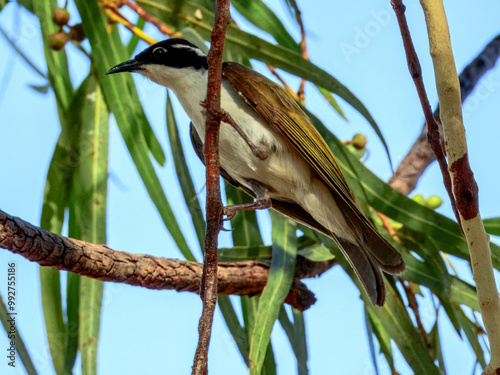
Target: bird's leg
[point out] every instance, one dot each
(262, 201)
(258, 151)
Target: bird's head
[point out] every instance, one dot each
(166, 62)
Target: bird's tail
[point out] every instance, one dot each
(366, 268)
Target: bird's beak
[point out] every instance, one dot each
(127, 66)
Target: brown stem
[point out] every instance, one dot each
(420, 155)
(164, 29)
(102, 263)
(208, 287)
(416, 73)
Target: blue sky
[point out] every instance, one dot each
(142, 330)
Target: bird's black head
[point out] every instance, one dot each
(173, 53)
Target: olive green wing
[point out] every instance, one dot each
(281, 111)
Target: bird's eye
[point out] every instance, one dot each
(159, 52)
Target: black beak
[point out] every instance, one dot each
(127, 66)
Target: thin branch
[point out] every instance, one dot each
(420, 155)
(102, 263)
(208, 287)
(416, 73)
(465, 188)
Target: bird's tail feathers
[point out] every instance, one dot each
(366, 268)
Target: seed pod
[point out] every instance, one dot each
(359, 141)
(77, 33)
(60, 16)
(419, 199)
(434, 202)
(58, 40)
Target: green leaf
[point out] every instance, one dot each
(246, 235)
(57, 62)
(241, 253)
(107, 51)
(277, 288)
(53, 314)
(24, 356)
(436, 347)
(134, 39)
(472, 332)
(492, 226)
(331, 100)
(58, 186)
(371, 189)
(233, 324)
(245, 227)
(296, 333)
(89, 202)
(73, 324)
(261, 16)
(316, 253)
(376, 329)
(183, 176)
(394, 319)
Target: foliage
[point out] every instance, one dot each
(74, 184)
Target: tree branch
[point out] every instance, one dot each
(416, 74)
(105, 264)
(420, 155)
(208, 287)
(465, 189)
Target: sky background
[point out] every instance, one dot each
(144, 331)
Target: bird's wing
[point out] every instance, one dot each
(282, 112)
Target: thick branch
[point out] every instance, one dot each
(465, 188)
(102, 263)
(420, 155)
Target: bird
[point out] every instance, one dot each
(294, 172)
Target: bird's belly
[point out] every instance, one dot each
(283, 172)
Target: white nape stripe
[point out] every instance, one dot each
(194, 49)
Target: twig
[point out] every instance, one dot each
(420, 155)
(413, 304)
(465, 188)
(416, 73)
(208, 287)
(272, 69)
(303, 47)
(164, 29)
(102, 263)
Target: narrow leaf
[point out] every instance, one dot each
(261, 16)
(183, 176)
(492, 226)
(90, 196)
(233, 324)
(108, 51)
(331, 100)
(57, 62)
(277, 288)
(14, 336)
(134, 39)
(296, 333)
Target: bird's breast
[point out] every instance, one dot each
(284, 169)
